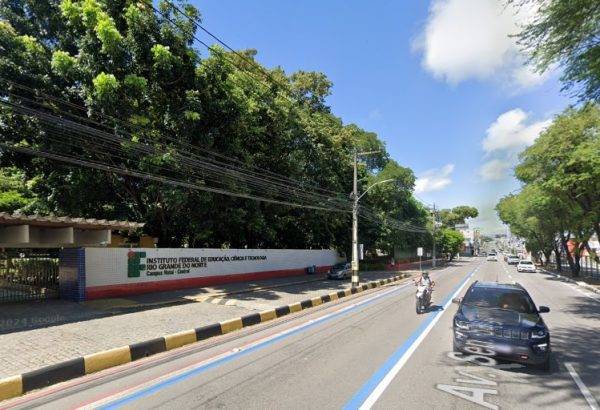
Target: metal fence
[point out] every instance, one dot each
(589, 267)
(28, 275)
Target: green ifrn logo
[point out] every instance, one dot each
(134, 264)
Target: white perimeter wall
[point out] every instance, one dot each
(109, 266)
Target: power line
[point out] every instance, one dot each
(198, 24)
(276, 178)
(193, 162)
(151, 177)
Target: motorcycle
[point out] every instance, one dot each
(422, 298)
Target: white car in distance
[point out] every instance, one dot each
(526, 266)
(492, 257)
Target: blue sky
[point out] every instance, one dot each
(440, 81)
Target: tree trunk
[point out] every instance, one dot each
(557, 257)
(547, 255)
(574, 266)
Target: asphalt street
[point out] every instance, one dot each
(370, 350)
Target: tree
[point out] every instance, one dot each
(120, 67)
(457, 215)
(536, 217)
(558, 209)
(565, 161)
(14, 190)
(449, 241)
(565, 32)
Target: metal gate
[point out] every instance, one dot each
(28, 274)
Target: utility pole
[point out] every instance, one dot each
(355, 199)
(434, 228)
(355, 223)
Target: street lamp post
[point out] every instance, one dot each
(355, 224)
(355, 199)
(434, 228)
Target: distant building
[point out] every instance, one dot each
(469, 234)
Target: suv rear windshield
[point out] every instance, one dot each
(507, 299)
(526, 263)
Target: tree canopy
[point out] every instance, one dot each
(565, 33)
(560, 199)
(457, 215)
(120, 85)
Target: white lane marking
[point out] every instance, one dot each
(385, 382)
(582, 387)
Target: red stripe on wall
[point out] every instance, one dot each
(127, 289)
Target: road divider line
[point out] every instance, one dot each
(370, 392)
(582, 387)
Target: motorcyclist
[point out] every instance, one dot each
(425, 280)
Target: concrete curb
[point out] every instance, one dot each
(17, 385)
(580, 284)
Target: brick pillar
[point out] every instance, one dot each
(71, 274)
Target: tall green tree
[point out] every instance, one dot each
(565, 161)
(131, 71)
(457, 215)
(449, 241)
(559, 206)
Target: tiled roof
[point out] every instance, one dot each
(65, 221)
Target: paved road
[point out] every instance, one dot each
(45, 333)
(370, 350)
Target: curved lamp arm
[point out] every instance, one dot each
(375, 184)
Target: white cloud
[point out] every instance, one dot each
(466, 39)
(512, 131)
(494, 170)
(434, 179)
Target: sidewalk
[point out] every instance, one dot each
(40, 334)
(586, 282)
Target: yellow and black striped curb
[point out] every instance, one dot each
(71, 369)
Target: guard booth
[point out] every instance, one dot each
(31, 248)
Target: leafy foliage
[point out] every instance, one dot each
(561, 197)
(131, 69)
(565, 32)
(14, 190)
(457, 215)
(449, 241)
